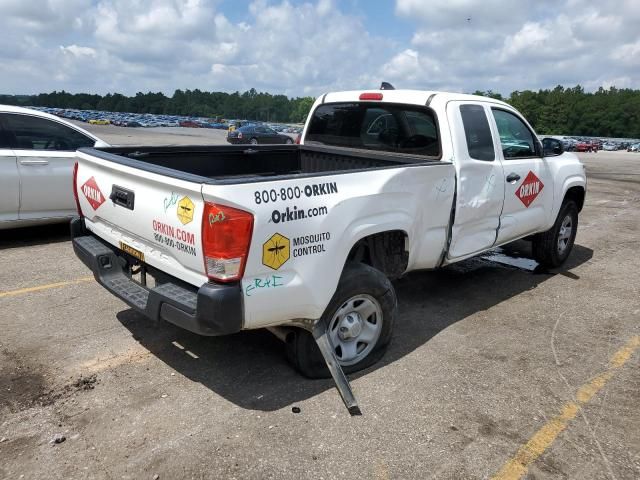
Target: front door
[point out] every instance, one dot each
(480, 193)
(527, 178)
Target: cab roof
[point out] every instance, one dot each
(411, 97)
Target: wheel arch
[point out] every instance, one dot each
(386, 251)
(576, 193)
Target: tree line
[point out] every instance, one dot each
(250, 104)
(608, 112)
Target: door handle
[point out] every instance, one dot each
(513, 177)
(34, 162)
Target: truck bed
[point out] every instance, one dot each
(245, 164)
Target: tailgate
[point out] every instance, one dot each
(152, 217)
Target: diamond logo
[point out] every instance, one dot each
(530, 188)
(92, 193)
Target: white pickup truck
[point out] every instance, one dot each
(304, 239)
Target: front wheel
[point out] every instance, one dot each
(553, 247)
(359, 321)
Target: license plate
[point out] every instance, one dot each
(132, 251)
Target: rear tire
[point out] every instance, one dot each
(253, 141)
(288, 141)
(552, 248)
(359, 321)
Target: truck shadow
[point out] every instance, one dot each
(250, 369)
(37, 235)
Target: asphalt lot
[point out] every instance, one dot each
(491, 367)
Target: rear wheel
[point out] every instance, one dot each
(359, 321)
(288, 141)
(553, 247)
(253, 141)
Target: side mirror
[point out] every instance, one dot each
(552, 147)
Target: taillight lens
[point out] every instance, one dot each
(226, 236)
(298, 138)
(75, 188)
(371, 96)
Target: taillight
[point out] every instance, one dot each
(298, 138)
(226, 236)
(75, 188)
(371, 96)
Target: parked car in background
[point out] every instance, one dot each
(257, 134)
(37, 152)
(189, 124)
(582, 146)
(633, 148)
(587, 146)
(610, 147)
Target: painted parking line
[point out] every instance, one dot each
(22, 291)
(518, 465)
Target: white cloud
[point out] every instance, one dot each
(505, 46)
(312, 47)
(77, 51)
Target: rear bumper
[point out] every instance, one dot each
(213, 309)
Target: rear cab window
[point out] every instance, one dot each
(382, 127)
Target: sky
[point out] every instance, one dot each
(307, 48)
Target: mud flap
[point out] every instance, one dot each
(342, 383)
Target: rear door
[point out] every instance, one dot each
(527, 177)
(45, 151)
(157, 216)
(480, 194)
(9, 178)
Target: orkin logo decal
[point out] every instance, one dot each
(92, 193)
(185, 210)
(276, 251)
(529, 189)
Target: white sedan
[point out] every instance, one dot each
(37, 152)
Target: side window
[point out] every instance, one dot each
(34, 133)
(7, 140)
(477, 133)
(516, 139)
